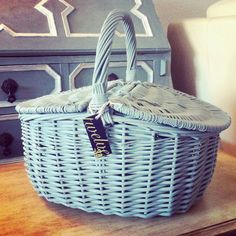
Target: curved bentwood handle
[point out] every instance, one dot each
(103, 54)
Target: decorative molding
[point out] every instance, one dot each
(7, 104)
(83, 66)
(143, 18)
(51, 24)
(19, 68)
(148, 69)
(138, 3)
(69, 9)
(11, 160)
(9, 117)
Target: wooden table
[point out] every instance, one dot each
(22, 212)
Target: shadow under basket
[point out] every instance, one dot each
(163, 142)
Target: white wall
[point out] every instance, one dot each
(175, 10)
(203, 55)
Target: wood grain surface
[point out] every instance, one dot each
(22, 212)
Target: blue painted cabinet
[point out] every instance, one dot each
(54, 50)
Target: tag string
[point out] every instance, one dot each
(102, 109)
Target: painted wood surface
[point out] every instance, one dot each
(22, 212)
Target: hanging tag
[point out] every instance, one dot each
(97, 136)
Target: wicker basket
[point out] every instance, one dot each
(160, 164)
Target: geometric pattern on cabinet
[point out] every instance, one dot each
(141, 66)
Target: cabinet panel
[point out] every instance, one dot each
(81, 75)
(37, 25)
(65, 26)
(32, 81)
(92, 25)
(10, 137)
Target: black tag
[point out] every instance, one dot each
(97, 136)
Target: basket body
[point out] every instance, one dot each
(153, 170)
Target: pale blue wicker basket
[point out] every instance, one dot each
(163, 152)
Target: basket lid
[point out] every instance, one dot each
(138, 100)
(163, 105)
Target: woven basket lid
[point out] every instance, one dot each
(163, 105)
(138, 100)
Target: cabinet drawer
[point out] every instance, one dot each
(31, 81)
(81, 74)
(10, 137)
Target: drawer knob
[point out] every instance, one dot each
(9, 86)
(6, 140)
(112, 76)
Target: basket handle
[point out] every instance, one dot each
(103, 52)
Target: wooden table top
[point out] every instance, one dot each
(22, 212)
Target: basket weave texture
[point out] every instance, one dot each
(156, 167)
